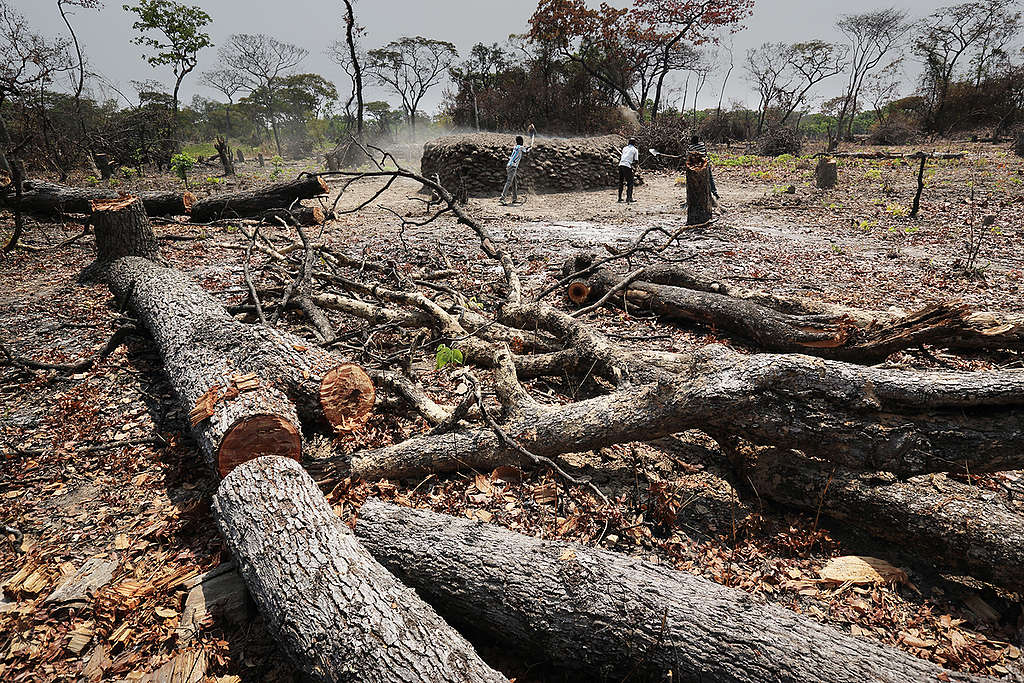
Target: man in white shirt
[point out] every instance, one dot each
(630, 155)
(512, 169)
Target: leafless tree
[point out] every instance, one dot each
(261, 61)
(873, 36)
(347, 56)
(785, 75)
(410, 67)
(229, 83)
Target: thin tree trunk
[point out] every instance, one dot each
(605, 616)
(337, 613)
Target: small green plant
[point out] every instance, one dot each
(113, 182)
(866, 225)
(896, 210)
(836, 248)
(128, 173)
(447, 355)
(473, 303)
(212, 180)
(873, 174)
(91, 180)
(276, 161)
(181, 164)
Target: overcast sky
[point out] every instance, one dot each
(313, 24)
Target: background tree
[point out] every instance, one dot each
(181, 27)
(229, 83)
(62, 8)
(480, 72)
(347, 56)
(262, 61)
(873, 36)
(410, 67)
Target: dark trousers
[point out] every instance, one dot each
(626, 178)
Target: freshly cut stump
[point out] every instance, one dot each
(826, 173)
(122, 229)
(335, 610)
(578, 292)
(609, 616)
(698, 190)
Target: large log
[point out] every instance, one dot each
(864, 418)
(241, 383)
(775, 325)
(698, 190)
(255, 202)
(609, 616)
(335, 610)
(50, 200)
(945, 524)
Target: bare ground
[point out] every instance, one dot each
(146, 507)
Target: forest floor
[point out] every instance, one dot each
(141, 503)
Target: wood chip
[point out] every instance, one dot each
(80, 637)
(203, 409)
(98, 663)
(79, 588)
(861, 570)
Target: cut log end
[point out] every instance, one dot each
(578, 292)
(256, 436)
(318, 215)
(323, 184)
(122, 202)
(347, 397)
(188, 199)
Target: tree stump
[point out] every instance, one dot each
(123, 229)
(331, 160)
(103, 165)
(698, 190)
(260, 161)
(826, 174)
(224, 152)
(335, 611)
(239, 156)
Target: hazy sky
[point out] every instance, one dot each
(313, 24)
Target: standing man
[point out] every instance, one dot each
(512, 169)
(630, 155)
(698, 147)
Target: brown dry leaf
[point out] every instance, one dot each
(861, 570)
(483, 485)
(121, 542)
(166, 612)
(545, 494)
(914, 641)
(507, 474)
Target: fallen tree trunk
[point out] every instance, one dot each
(897, 155)
(335, 610)
(609, 616)
(944, 523)
(241, 383)
(300, 215)
(774, 324)
(863, 418)
(53, 200)
(255, 202)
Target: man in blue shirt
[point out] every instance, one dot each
(512, 169)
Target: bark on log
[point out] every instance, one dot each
(254, 202)
(940, 521)
(612, 617)
(206, 350)
(53, 200)
(777, 324)
(826, 173)
(335, 610)
(863, 418)
(300, 215)
(698, 190)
